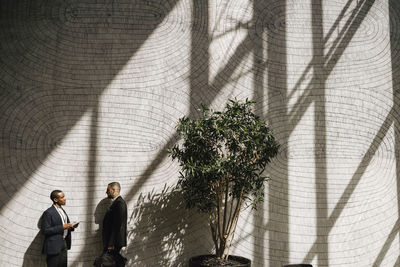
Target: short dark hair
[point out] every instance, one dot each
(115, 185)
(54, 194)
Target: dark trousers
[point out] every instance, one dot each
(59, 260)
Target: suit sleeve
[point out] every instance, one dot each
(117, 222)
(47, 227)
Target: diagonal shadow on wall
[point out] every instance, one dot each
(394, 18)
(92, 238)
(164, 232)
(336, 51)
(199, 85)
(335, 214)
(388, 122)
(202, 91)
(323, 66)
(12, 103)
(328, 64)
(57, 57)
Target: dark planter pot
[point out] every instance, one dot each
(197, 261)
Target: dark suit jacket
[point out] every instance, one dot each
(114, 224)
(52, 228)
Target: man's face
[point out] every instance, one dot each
(110, 192)
(61, 199)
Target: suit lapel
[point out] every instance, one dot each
(115, 201)
(56, 215)
(65, 214)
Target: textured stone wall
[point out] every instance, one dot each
(91, 90)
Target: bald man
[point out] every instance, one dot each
(115, 220)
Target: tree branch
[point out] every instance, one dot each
(224, 226)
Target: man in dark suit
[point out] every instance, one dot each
(57, 228)
(115, 220)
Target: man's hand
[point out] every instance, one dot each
(67, 225)
(111, 248)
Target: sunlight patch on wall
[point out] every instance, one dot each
(302, 191)
(64, 169)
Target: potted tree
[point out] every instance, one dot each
(222, 157)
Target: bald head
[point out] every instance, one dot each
(113, 189)
(115, 185)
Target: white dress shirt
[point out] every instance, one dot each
(63, 216)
